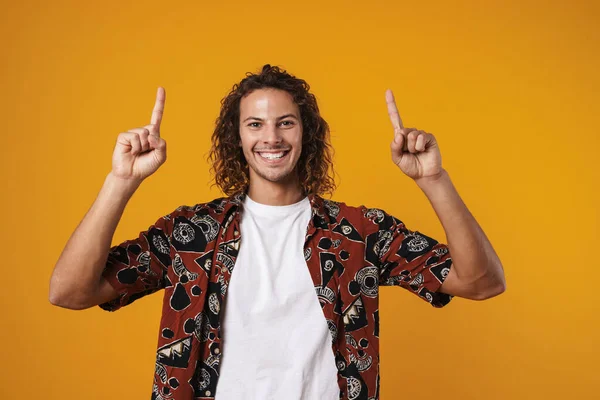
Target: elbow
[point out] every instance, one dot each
(61, 299)
(56, 299)
(493, 291)
(67, 303)
(54, 294)
(494, 283)
(53, 298)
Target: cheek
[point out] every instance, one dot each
(245, 149)
(296, 140)
(246, 143)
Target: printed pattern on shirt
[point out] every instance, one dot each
(349, 251)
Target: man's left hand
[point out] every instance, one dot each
(415, 152)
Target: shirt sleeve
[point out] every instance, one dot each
(138, 267)
(409, 259)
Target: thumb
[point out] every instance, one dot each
(159, 148)
(155, 141)
(397, 144)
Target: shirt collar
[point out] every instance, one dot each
(319, 215)
(317, 203)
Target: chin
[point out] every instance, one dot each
(277, 178)
(280, 177)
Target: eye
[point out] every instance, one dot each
(288, 123)
(254, 124)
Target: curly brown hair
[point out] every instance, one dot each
(229, 166)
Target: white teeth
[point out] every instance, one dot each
(272, 156)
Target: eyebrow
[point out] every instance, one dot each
(278, 118)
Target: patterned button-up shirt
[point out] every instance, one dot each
(349, 251)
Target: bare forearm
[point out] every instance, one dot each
(473, 255)
(77, 272)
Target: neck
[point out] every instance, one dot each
(274, 194)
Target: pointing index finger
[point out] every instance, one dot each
(393, 110)
(159, 107)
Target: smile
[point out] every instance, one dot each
(273, 158)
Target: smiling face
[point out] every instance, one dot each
(271, 137)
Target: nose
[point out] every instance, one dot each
(271, 134)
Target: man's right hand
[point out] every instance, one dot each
(139, 152)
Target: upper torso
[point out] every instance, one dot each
(276, 343)
(349, 252)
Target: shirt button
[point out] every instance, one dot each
(207, 393)
(217, 351)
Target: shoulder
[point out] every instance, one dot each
(214, 210)
(361, 216)
(337, 209)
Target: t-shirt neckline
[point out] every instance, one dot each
(270, 210)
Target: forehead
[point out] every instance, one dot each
(267, 102)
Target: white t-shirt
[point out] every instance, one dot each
(276, 344)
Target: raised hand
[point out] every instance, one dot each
(415, 152)
(139, 152)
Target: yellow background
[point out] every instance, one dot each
(509, 89)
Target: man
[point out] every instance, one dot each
(262, 332)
